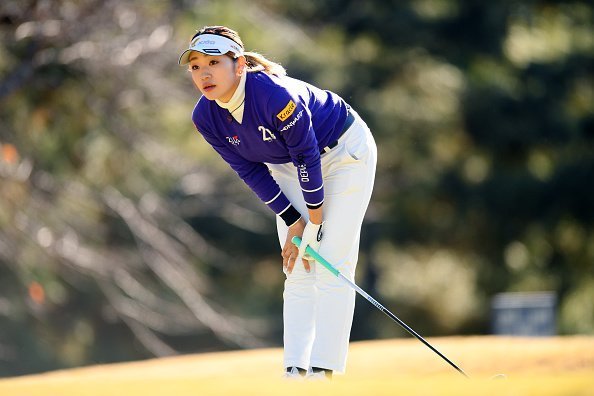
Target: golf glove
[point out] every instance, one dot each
(312, 236)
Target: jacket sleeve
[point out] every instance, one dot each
(292, 119)
(256, 175)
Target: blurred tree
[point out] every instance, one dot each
(92, 253)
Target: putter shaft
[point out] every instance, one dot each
(297, 241)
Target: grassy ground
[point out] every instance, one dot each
(534, 366)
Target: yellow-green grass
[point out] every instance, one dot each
(534, 366)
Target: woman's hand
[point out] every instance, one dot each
(290, 251)
(311, 237)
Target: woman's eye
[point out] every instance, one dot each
(194, 67)
(213, 62)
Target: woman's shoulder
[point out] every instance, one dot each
(202, 103)
(202, 110)
(272, 83)
(274, 88)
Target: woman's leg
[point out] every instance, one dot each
(349, 173)
(300, 293)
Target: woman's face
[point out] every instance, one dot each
(217, 77)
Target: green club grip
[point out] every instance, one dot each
(297, 242)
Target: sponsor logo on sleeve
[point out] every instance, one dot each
(287, 111)
(293, 121)
(302, 168)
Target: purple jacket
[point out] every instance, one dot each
(284, 120)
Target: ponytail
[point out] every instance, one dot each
(257, 62)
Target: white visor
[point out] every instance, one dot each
(211, 44)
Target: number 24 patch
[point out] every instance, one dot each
(267, 134)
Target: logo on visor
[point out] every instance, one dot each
(200, 41)
(211, 51)
(215, 45)
(287, 111)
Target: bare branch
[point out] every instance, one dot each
(150, 341)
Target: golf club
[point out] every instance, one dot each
(297, 241)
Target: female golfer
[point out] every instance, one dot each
(308, 156)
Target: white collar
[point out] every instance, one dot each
(237, 102)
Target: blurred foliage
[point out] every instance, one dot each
(122, 236)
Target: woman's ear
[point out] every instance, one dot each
(241, 65)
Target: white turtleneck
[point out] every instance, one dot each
(237, 102)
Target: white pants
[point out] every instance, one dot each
(318, 307)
